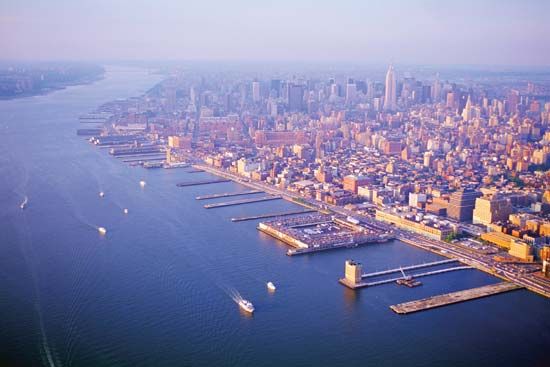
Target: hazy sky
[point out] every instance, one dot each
(504, 32)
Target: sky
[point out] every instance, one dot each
(429, 32)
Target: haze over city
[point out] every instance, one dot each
(274, 183)
(491, 32)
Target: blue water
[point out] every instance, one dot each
(157, 289)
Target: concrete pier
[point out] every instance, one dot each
(227, 194)
(197, 183)
(271, 215)
(455, 297)
(240, 202)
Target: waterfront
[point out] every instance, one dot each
(156, 290)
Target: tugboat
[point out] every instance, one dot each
(246, 305)
(271, 286)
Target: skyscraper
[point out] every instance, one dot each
(390, 99)
(295, 97)
(256, 91)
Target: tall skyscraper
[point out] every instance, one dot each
(390, 99)
(295, 97)
(351, 91)
(256, 91)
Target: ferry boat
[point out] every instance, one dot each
(24, 203)
(246, 305)
(101, 230)
(271, 286)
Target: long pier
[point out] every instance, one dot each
(227, 194)
(455, 297)
(434, 272)
(204, 182)
(240, 202)
(271, 215)
(411, 267)
(195, 171)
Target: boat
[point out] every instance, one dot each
(101, 230)
(246, 305)
(125, 211)
(101, 194)
(142, 183)
(271, 286)
(24, 203)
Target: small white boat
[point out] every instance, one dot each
(246, 305)
(125, 211)
(271, 286)
(24, 203)
(101, 194)
(142, 183)
(101, 230)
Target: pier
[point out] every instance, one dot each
(227, 194)
(204, 182)
(411, 267)
(358, 285)
(455, 297)
(195, 171)
(242, 201)
(271, 215)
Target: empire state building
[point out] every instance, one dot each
(390, 99)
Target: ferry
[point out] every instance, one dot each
(101, 230)
(24, 203)
(246, 305)
(101, 194)
(271, 286)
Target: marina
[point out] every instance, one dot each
(271, 215)
(242, 201)
(227, 194)
(454, 297)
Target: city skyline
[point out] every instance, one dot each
(419, 32)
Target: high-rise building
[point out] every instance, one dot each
(256, 97)
(295, 97)
(390, 99)
(351, 91)
(461, 204)
(491, 208)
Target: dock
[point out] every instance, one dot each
(227, 194)
(351, 285)
(203, 182)
(242, 201)
(271, 215)
(455, 297)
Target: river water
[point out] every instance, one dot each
(158, 288)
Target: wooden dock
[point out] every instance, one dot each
(196, 183)
(271, 215)
(243, 201)
(455, 297)
(228, 194)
